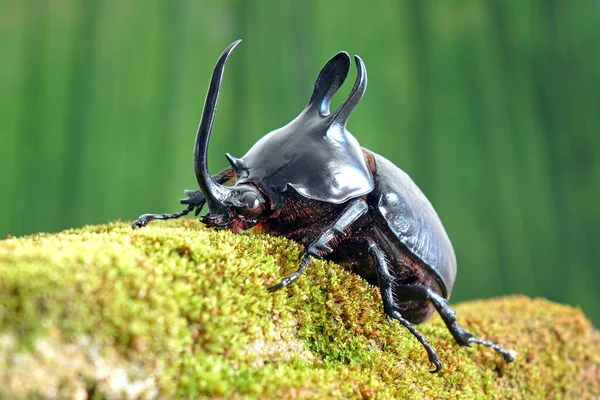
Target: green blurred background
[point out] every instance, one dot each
(493, 108)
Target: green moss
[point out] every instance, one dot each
(174, 308)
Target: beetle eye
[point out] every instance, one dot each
(252, 204)
(250, 199)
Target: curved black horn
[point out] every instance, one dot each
(332, 76)
(214, 193)
(341, 115)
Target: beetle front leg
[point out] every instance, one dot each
(143, 220)
(194, 200)
(353, 211)
(461, 336)
(286, 280)
(389, 303)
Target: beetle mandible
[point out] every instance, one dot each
(311, 182)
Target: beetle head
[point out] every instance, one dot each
(238, 207)
(243, 204)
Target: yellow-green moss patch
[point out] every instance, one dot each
(174, 308)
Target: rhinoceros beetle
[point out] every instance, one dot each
(311, 182)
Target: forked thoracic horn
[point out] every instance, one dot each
(332, 76)
(342, 114)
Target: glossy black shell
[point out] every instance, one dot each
(412, 219)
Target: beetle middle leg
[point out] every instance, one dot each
(390, 308)
(353, 211)
(194, 200)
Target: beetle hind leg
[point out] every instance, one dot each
(509, 355)
(461, 336)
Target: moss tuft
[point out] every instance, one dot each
(174, 308)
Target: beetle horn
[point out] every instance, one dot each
(341, 115)
(215, 194)
(331, 77)
(236, 163)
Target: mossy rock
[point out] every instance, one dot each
(174, 309)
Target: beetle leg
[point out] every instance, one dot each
(353, 211)
(461, 336)
(285, 281)
(194, 200)
(145, 218)
(196, 197)
(389, 304)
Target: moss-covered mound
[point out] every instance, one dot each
(175, 309)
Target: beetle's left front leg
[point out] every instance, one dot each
(353, 211)
(194, 200)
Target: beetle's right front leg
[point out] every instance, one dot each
(353, 211)
(194, 200)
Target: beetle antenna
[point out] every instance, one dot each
(214, 193)
(342, 114)
(332, 76)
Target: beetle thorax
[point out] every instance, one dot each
(299, 218)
